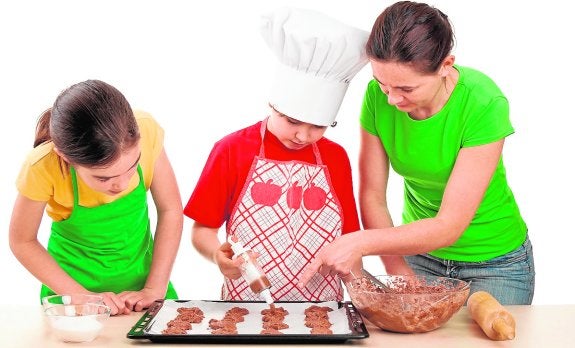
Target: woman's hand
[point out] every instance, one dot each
(342, 257)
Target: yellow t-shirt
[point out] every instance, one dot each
(42, 178)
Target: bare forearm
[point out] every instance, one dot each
(394, 264)
(414, 238)
(166, 244)
(376, 216)
(34, 257)
(205, 241)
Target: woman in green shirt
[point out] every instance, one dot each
(442, 127)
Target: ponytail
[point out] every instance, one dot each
(43, 128)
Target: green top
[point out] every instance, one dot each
(423, 152)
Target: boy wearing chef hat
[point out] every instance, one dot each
(281, 187)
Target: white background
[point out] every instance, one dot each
(203, 70)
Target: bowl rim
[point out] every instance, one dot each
(465, 287)
(46, 299)
(106, 310)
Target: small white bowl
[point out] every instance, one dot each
(77, 322)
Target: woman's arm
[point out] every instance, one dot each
(469, 179)
(373, 179)
(166, 195)
(464, 192)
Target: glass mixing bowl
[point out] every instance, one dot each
(76, 317)
(408, 304)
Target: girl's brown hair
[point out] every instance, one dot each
(91, 123)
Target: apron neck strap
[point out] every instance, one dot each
(74, 185)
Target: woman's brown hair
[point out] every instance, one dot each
(411, 33)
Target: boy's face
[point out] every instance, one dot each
(294, 134)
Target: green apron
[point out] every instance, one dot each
(108, 247)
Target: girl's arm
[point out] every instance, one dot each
(373, 179)
(166, 195)
(469, 179)
(23, 238)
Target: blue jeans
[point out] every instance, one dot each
(510, 278)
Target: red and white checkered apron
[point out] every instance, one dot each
(287, 212)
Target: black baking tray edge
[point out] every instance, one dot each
(356, 325)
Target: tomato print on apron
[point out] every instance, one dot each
(108, 247)
(287, 212)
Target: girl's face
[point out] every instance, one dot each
(294, 134)
(420, 95)
(114, 178)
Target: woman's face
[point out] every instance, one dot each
(114, 178)
(294, 134)
(407, 89)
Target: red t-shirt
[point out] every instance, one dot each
(230, 160)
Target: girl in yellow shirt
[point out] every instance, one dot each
(94, 159)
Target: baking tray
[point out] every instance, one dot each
(149, 326)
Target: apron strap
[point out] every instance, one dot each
(263, 128)
(317, 154)
(74, 186)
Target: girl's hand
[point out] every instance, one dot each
(138, 301)
(116, 304)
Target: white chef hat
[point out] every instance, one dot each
(318, 57)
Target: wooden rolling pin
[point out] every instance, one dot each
(497, 323)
